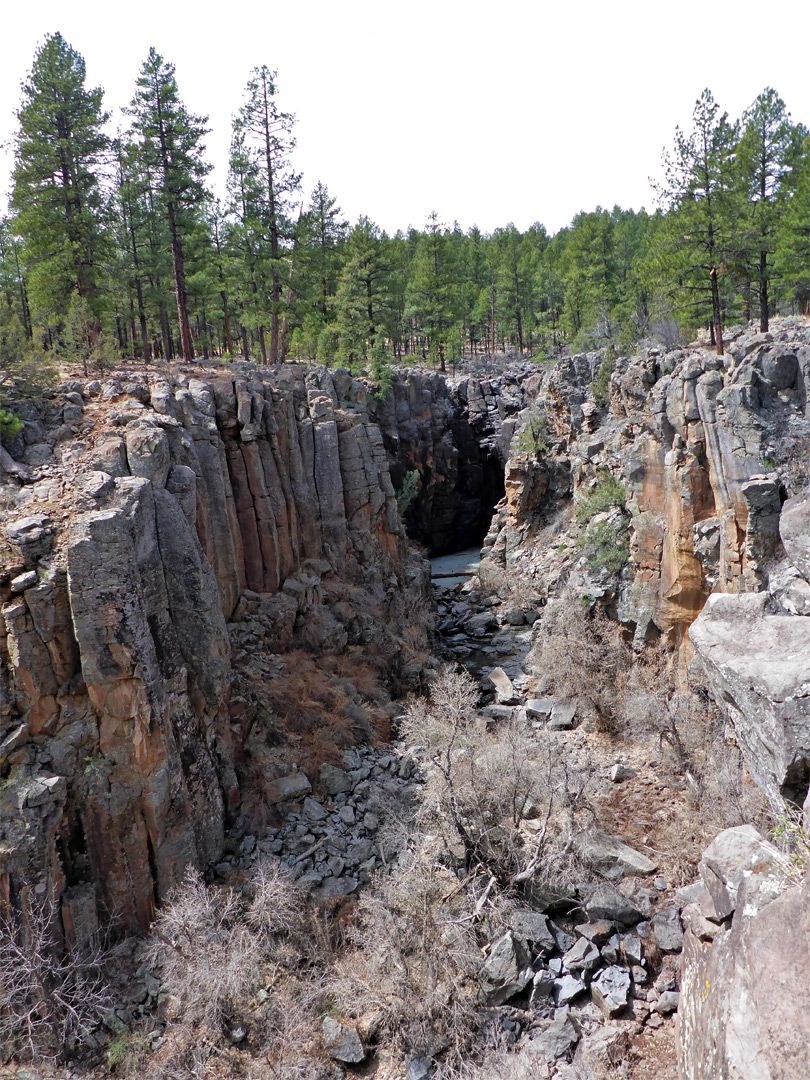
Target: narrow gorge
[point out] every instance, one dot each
(216, 600)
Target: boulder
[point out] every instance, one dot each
(334, 781)
(315, 811)
(608, 903)
(506, 970)
(539, 708)
(562, 715)
(505, 693)
(567, 988)
(287, 788)
(609, 854)
(342, 1042)
(694, 920)
(667, 1003)
(667, 929)
(582, 956)
(732, 856)
(542, 987)
(598, 932)
(557, 1040)
(757, 666)
(532, 927)
(610, 990)
(621, 772)
(419, 1068)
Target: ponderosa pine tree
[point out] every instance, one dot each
(793, 241)
(170, 144)
(430, 294)
(698, 193)
(362, 292)
(321, 233)
(246, 243)
(265, 133)
(765, 155)
(130, 235)
(56, 196)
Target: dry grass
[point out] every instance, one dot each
(326, 704)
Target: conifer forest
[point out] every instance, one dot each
(115, 246)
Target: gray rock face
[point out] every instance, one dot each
(744, 1009)
(758, 667)
(794, 529)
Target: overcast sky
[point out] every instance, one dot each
(486, 112)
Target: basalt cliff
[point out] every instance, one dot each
(165, 540)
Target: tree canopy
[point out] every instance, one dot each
(118, 245)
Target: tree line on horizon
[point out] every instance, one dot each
(115, 246)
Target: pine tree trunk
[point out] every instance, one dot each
(179, 267)
(168, 351)
(223, 293)
(132, 333)
(763, 292)
(717, 315)
(274, 237)
(226, 316)
(492, 320)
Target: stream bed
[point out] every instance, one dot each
(479, 632)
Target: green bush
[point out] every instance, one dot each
(606, 545)
(608, 492)
(380, 369)
(9, 423)
(128, 1052)
(328, 343)
(532, 440)
(408, 492)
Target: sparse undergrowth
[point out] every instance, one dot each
(51, 998)
(605, 540)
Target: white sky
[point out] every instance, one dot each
(488, 112)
